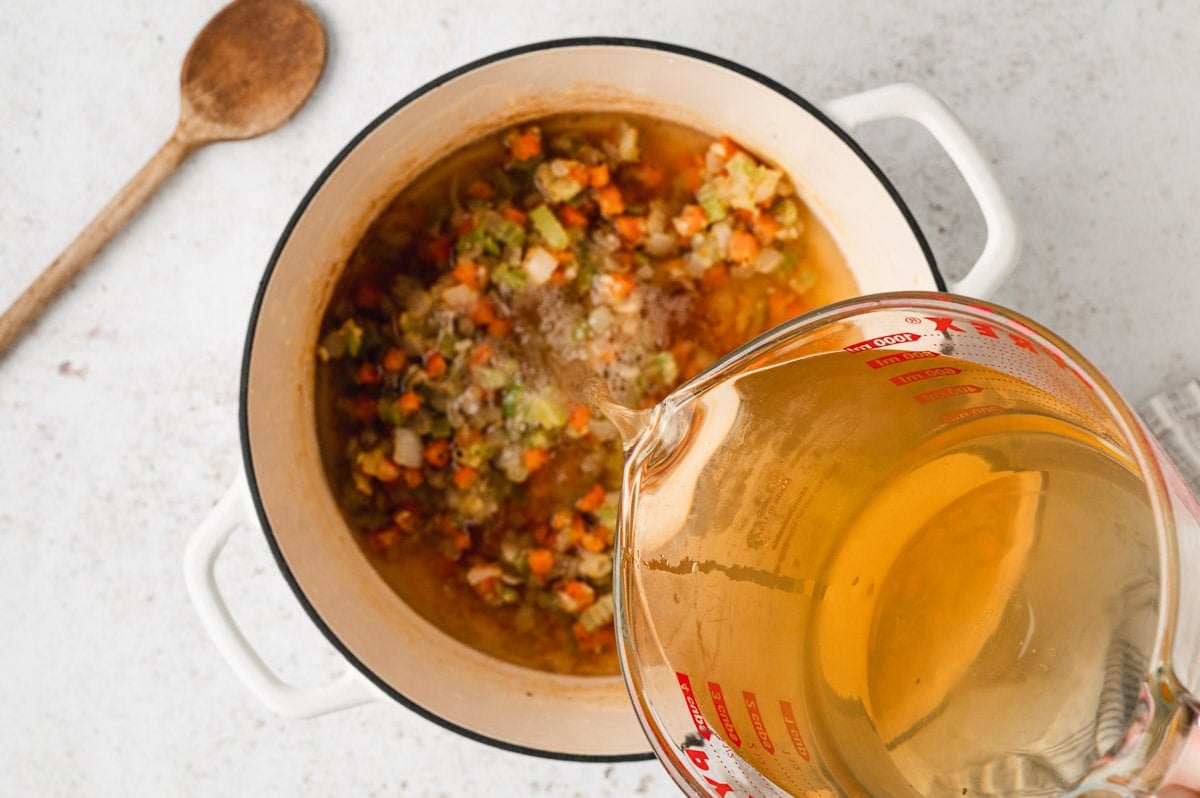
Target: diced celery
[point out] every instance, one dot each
(547, 412)
(352, 334)
(509, 277)
(490, 379)
(477, 241)
(441, 427)
(510, 401)
(663, 364)
(506, 231)
(713, 208)
(549, 227)
(388, 412)
(538, 439)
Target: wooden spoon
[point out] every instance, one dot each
(250, 68)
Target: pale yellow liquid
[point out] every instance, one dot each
(960, 608)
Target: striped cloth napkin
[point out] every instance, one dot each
(1174, 418)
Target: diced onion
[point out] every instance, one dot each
(406, 448)
(460, 297)
(539, 264)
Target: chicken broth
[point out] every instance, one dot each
(481, 489)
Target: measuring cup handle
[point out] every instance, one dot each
(200, 557)
(908, 101)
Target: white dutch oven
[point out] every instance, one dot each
(391, 652)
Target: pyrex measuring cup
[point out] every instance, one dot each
(909, 544)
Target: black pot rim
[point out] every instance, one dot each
(243, 421)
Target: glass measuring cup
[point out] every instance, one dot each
(909, 544)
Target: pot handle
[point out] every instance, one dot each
(908, 101)
(199, 561)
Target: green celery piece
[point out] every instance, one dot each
(509, 402)
(713, 208)
(512, 278)
(548, 225)
(352, 334)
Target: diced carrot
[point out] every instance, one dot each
(436, 249)
(466, 271)
(609, 355)
(394, 359)
(387, 471)
(542, 534)
(598, 176)
(579, 173)
(514, 215)
(465, 435)
(581, 414)
(412, 477)
(578, 528)
(481, 189)
(527, 144)
(592, 543)
(572, 217)
(482, 312)
(462, 540)
(540, 561)
(727, 148)
(595, 640)
(437, 453)
(622, 285)
(368, 374)
(648, 175)
(498, 328)
(535, 458)
(481, 354)
(766, 227)
(590, 502)
(435, 364)
(630, 228)
(781, 307)
(464, 477)
(715, 276)
(560, 520)
(364, 409)
(409, 402)
(691, 220)
(610, 201)
(383, 538)
(576, 596)
(690, 179)
(464, 227)
(367, 294)
(743, 247)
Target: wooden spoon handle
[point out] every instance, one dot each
(67, 266)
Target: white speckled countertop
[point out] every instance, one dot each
(118, 413)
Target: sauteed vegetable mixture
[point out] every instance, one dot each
(460, 441)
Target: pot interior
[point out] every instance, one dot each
(533, 711)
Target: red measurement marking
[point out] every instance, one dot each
(793, 730)
(899, 357)
(756, 720)
(883, 340)
(718, 699)
(946, 393)
(689, 697)
(924, 374)
(972, 412)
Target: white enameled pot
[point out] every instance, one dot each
(391, 652)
